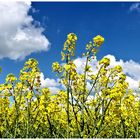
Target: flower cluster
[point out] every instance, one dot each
(69, 46)
(98, 40)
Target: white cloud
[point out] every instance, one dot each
(130, 68)
(132, 83)
(19, 37)
(54, 90)
(135, 7)
(80, 64)
(52, 84)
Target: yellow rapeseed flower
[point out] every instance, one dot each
(118, 68)
(98, 40)
(72, 36)
(105, 61)
(56, 66)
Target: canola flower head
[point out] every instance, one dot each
(105, 61)
(11, 78)
(118, 68)
(98, 40)
(32, 62)
(122, 76)
(72, 36)
(55, 66)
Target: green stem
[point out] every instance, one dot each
(75, 114)
(68, 90)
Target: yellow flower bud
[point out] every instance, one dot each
(118, 68)
(105, 61)
(98, 40)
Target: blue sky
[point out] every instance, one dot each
(117, 22)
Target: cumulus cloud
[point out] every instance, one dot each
(135, 7)
(19, 35)
(80, 63)
(52, 84)
(130, 68)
